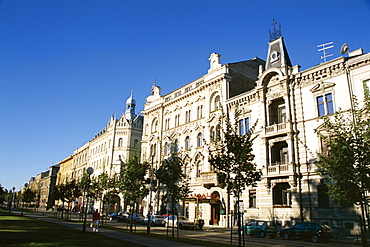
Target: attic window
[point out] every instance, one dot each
(274, 56)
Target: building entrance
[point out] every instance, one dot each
(215, 214)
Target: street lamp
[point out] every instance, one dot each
(150, 195)
(23, 197)
(13, 199)
(89, 171)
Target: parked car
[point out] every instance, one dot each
(261, 228)
(118, 216)
(181, 221)
(155, 220)
(136, 218)
(308, 230)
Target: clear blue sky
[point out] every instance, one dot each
(67, 66)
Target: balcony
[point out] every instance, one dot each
(279, 168)
(208, 179)
(276, 129)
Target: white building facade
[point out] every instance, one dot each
(286, 105)
(119, 140)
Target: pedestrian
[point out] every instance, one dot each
(96, 218)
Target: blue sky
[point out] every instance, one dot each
(67, 66)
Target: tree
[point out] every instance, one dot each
(27, 196)
(172, 181)
(233, 161)
(104, 188)
(67, 192)
(3, 194)
(346, 161)
(131, 182)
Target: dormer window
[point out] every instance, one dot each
(274, 56)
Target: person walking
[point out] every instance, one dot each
(96, 218)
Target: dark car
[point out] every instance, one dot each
(308, 230)
(118, 217)
(261, 228)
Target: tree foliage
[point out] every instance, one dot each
(171, 177)
(27, 196)
(347, 158)
(132, 175)
(233, 157)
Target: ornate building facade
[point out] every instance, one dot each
(286, 106)
(117, 141)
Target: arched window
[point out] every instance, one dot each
(217, 103)
(166, 148)
(153, 150)
(176, 146)
(120, 142)
(155, 126)
(187, 143)
(200, 140)
(213, 134)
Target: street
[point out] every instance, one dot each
(216, 234)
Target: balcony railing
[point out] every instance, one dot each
(278, 168)
(207, 178)
(276, 128)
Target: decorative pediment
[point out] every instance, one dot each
(186, 131)
(213, 117)
(200, 97)
(167, 112)
(198, 128)
(198, 156)
(153, 138)
(177, 108)
(188, 103)
(321, 86)
(274, 93)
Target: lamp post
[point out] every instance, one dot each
(23, 197)
(89, 171)
(13, 199)
(150, 195)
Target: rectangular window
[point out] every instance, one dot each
(187, 116)
(252, 199)
(325, 104)
(243, 126)
(281, 114)
(323, 197)
(284, 156)
(286, 197)
(281, 195)
(366, 86)
(177, 120)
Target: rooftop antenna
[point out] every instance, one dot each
(324, 48)
(344, 49)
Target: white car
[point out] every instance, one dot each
(156, 220)
(181, 221)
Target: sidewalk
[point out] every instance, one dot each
(133, 238)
